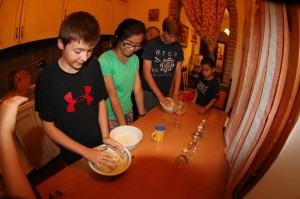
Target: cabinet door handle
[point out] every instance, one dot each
(17, 32)
(22, 32)
(65, 14)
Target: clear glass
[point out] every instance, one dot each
(182, 160)
(195, 141)
(179, 108)
(190, 149)
(199, 135)
(57, 192)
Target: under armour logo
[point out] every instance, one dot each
(69, 98)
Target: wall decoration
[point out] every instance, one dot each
(193, 49)
(194, 36)
(153, 15)
(220, 57)
(183, 39)
(219, 49)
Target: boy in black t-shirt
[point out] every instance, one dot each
(208, 87)
(162, 60)
(70, 94)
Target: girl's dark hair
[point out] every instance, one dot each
(79, 26)
(208, 60)
(129, 27)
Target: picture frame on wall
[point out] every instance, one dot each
(153, 15)
(194, 37)
(183, 39)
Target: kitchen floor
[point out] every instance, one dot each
(37, 177)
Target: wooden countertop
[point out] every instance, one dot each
(153, 172)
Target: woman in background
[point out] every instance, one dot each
(120, 68)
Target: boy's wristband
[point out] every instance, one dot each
(142, 115)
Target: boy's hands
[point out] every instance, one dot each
(202, 111)
(98, 155)
(114, 145)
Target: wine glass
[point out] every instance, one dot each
(182, 160)
(179, 108)
(59, 193)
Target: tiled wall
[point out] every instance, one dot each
(25, 56)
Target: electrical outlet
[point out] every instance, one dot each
(41, 63)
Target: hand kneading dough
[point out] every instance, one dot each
(112, 166)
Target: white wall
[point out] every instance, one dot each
(282, 180)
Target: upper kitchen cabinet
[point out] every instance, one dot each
(79, 5)
(110, 13)
(23, 21)
(104, 10)
(120, 12)
(10, 12)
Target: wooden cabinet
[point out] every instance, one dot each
(10, 12)
(34, 147)
(110, 13)
(37, 146)
(120, 12)
(40, 19)
(23, 21)
(79, 5)
(26, 164)
(103, 13)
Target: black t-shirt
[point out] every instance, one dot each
(71, 101)
(164, 59)
(207, 90)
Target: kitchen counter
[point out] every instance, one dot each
(29, 93)
(153, 172)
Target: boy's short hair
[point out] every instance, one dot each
(173, 26)
(208, 60)
(80, 26)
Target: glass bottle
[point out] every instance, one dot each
(200, 128)
(195, 140)
(182, 160)
(190, 149)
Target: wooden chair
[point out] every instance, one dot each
(188, 92)
(223, 98)
(185, 82)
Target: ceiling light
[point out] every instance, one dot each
(227, 31)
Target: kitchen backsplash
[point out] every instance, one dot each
(26, 56)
